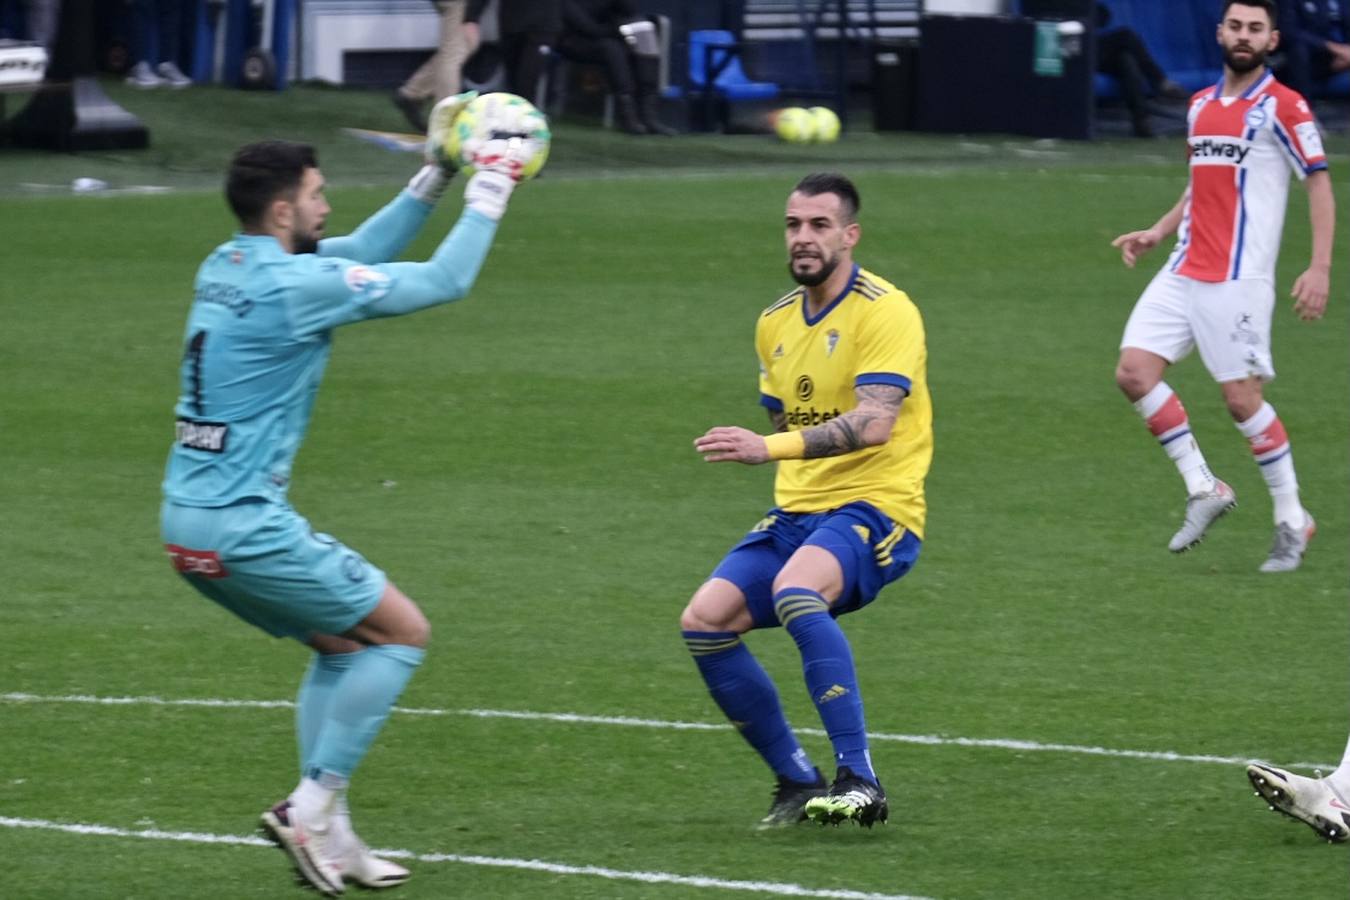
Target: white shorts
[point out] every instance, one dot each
(1228, 321)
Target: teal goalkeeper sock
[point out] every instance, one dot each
(827, 663)
(359, 706)
(743, 691)
(311, 703)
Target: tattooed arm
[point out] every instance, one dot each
(866, 425)
(778, 419)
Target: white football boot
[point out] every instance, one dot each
(1286, 553)
(308, 844)
(363, 867)
(1202, 511)
(1312, 801)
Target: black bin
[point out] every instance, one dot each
(895, 79)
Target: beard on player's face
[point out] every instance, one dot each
(307, 240)
(818, 277)
(1253, 59)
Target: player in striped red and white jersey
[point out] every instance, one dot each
(1216, 292)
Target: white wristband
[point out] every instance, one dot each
(429, 183)
(487, 193)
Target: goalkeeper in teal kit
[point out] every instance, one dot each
(257, 341)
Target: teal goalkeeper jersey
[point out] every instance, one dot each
(260, 330)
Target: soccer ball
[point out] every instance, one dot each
(827, 124)
(499, 115)
(795, 125)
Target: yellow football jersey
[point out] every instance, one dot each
(871, 334)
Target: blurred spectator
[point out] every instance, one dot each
(1315, 42)
(631, 58)
(29, 20)
(439, 76)
(1122, 54)
(42, 16)
(155, 29)
(528, 31)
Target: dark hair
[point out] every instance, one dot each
(263, 171)
(1267, 5)
(832, 183)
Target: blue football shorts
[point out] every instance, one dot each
(263, 562)
(872, 551)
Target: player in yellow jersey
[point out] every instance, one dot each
(843, 374)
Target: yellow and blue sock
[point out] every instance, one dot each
(827, 663)
(745, 694)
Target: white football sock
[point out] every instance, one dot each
(1166, 418)
(1270, 447)
(312, 801)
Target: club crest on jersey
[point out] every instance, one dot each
(831, 341)
(237, 257)
(1255, 118)
(372, 285)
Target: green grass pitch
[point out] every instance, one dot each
(521, 464)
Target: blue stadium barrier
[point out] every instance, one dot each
(718, 50)
(1180, 35)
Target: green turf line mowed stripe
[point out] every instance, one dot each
(632, 722)
(774, 888)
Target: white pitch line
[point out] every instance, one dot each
(631, 722)
(778, 889)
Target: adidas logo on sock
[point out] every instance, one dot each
(834, 693)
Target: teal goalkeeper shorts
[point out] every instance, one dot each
(262, 561)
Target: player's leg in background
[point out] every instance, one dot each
(1258, 422)
(1159, 332)
(1139, 376)
(1261, 426)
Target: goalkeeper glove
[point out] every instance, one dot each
(498, 163)
(488, 191)
(507, 155)
(441, 127)
(430, 181)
